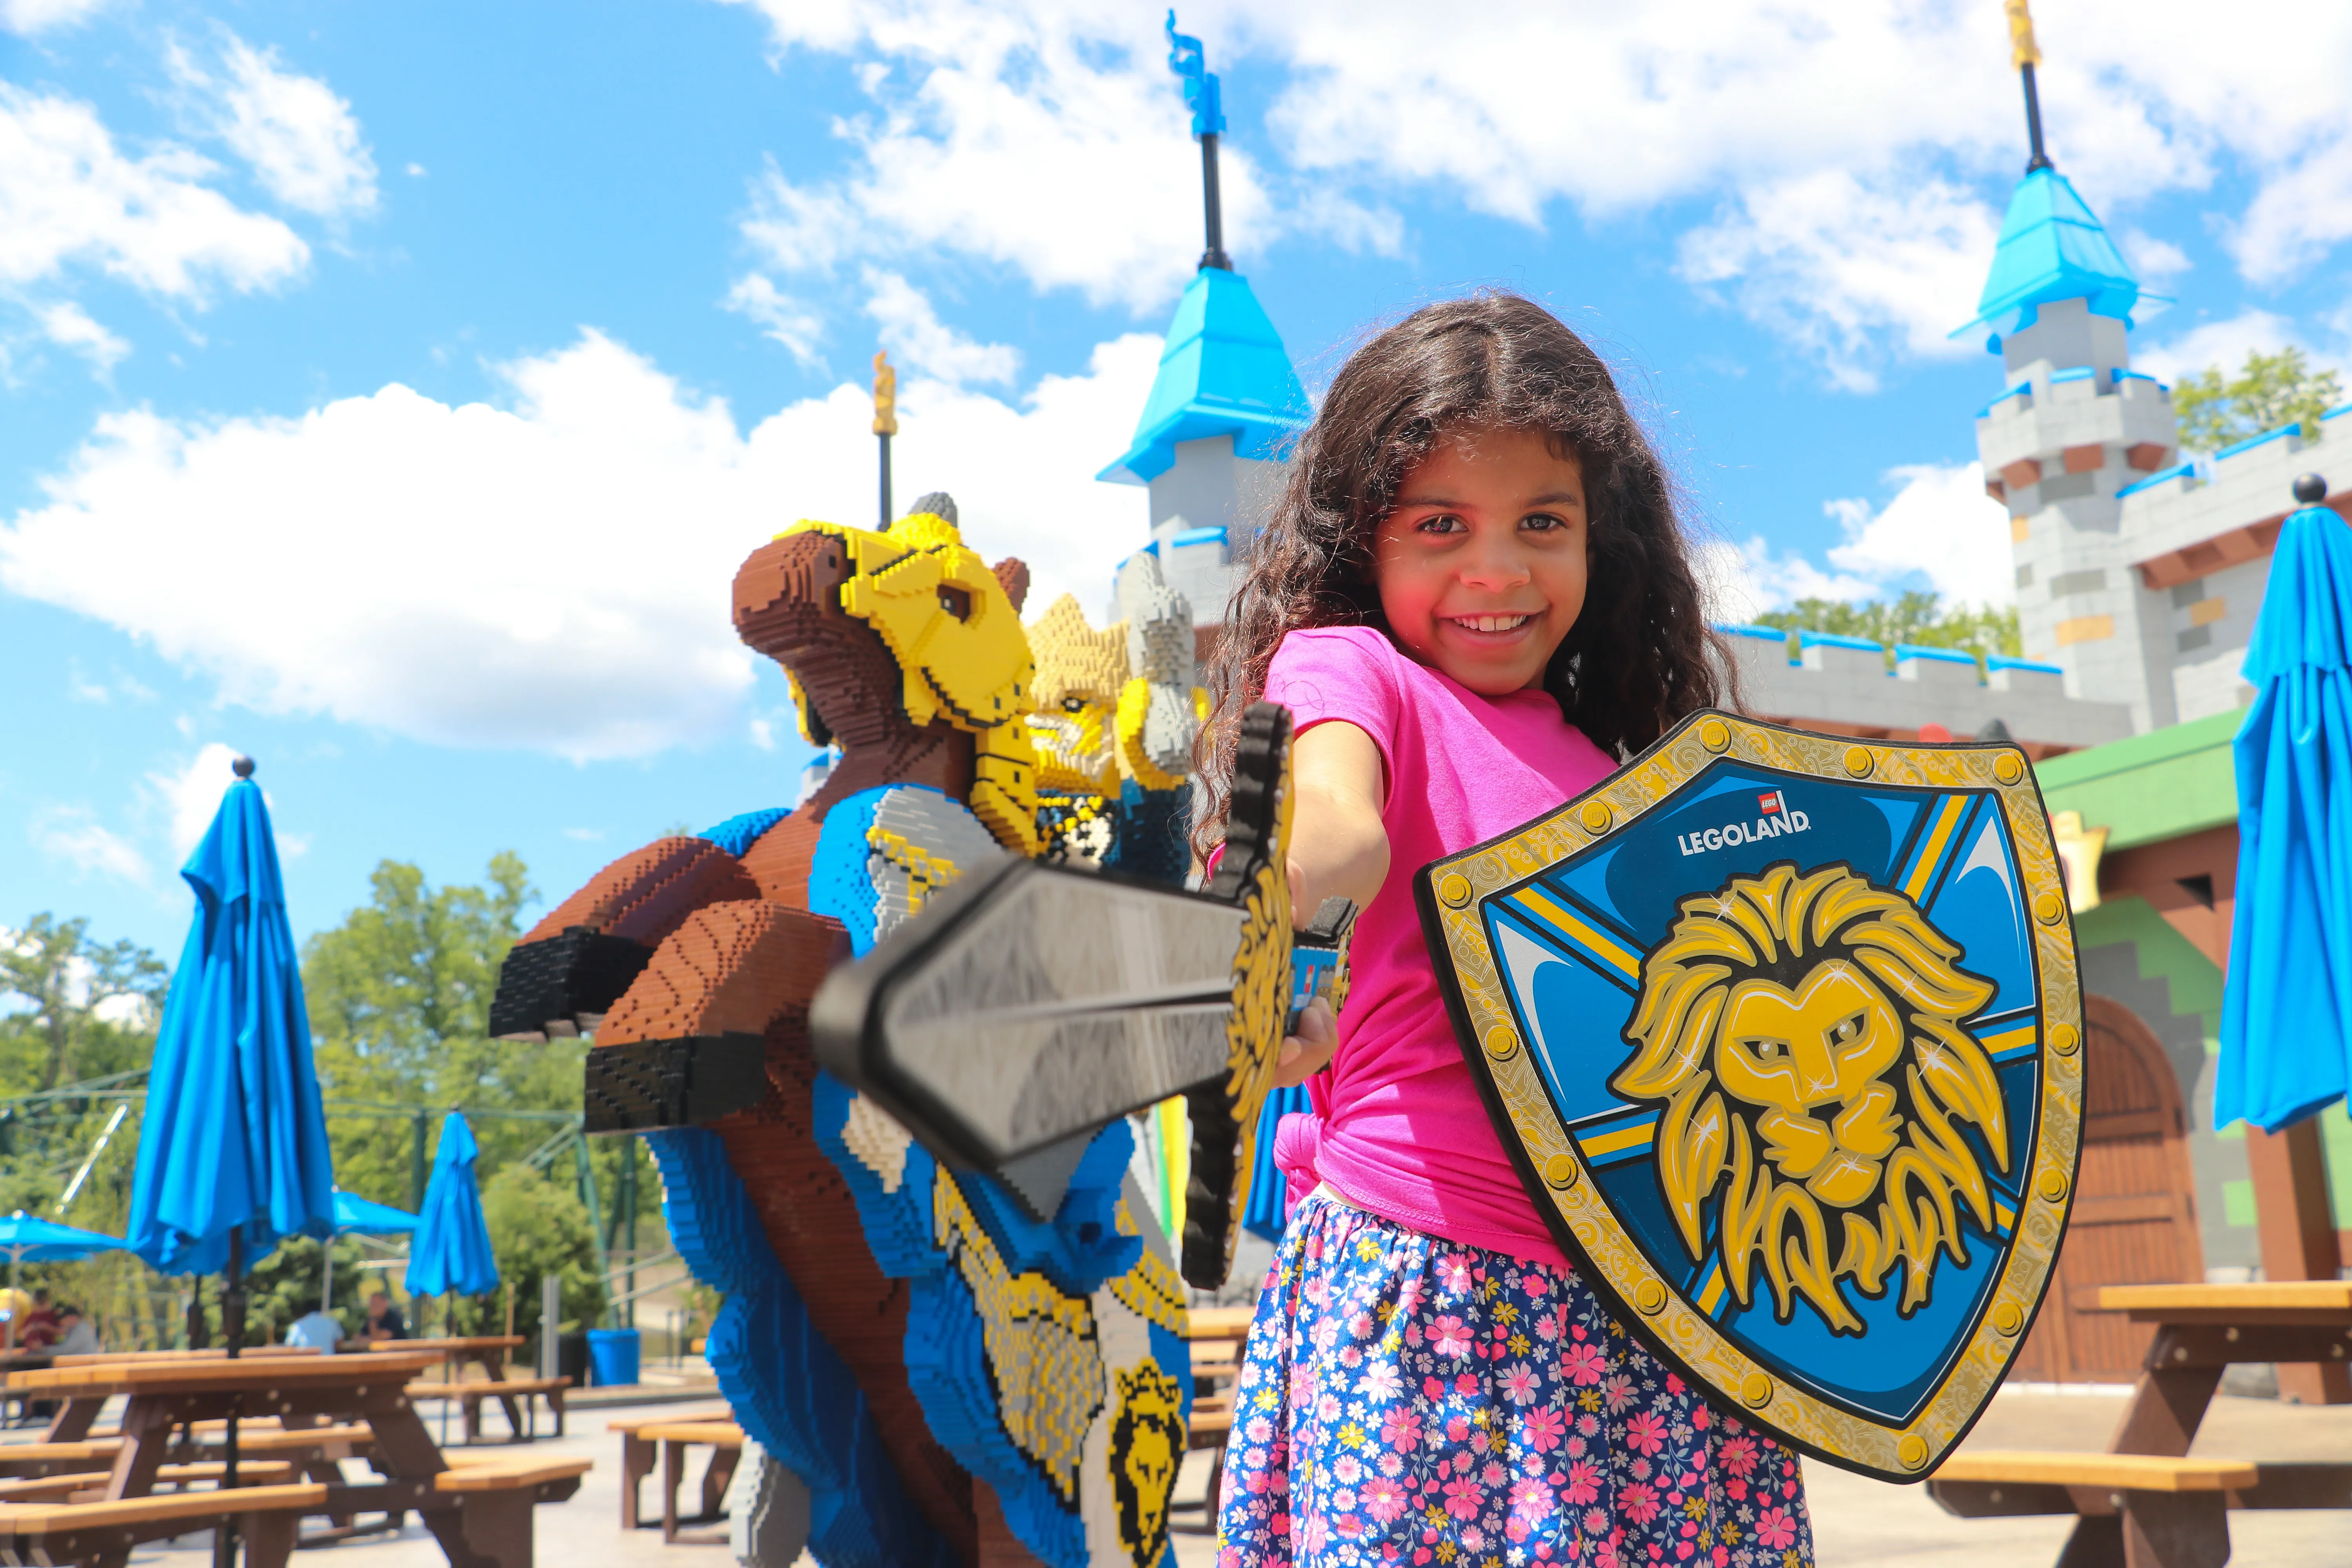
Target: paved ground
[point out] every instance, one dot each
(1860, 1523)
(1857, 1523)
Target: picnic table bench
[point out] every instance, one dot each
(641, 1452)
(2145, 1503)
(1216, 1336)
(100, 1534)
(480, 1512)
(489, 1352)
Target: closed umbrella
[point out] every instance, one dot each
(232, 1151)
(356, 1216)
(2287, 1013)
(27, 1239)
(451, 1250)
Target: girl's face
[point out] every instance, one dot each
(1482, 565)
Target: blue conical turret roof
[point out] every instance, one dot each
(1223, 372)
(2051, 247)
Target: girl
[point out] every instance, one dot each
(1475, 599)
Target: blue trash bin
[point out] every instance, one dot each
(613, 1356)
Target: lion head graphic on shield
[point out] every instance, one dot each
(1804, 1034)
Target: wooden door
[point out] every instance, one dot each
(2134, 1216)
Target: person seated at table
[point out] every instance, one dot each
(40, 1329)
(317, 1330)
(77, 1335)
(384, 1318)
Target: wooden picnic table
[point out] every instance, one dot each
(479, 1512)
(2145, 1504)
(488, 1352)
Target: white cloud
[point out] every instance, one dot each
(1050, 137)
(1940, 532)
(68, 197)
(301, 140)
(69, 326)
(190, 797)
(2227, 343)
(2155, 262)
(74, 836)
(913, 331)
(550, 575)
(26, 17)
(779, 316)
(1837, 267)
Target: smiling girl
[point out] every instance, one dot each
(1475, 600)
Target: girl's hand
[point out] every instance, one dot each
(1307, 1052)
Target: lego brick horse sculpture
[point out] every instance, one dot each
(952, 1380)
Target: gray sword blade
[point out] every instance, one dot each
(1028, 1003)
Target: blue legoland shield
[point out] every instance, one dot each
(1784, 1032)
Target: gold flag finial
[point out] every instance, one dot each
(2022, 49)
(886, 395)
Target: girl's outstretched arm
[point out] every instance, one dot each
(1338, 849)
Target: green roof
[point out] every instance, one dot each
(2148, 788)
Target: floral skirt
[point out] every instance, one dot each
(1404, 1399)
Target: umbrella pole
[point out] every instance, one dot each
(449, 1360)
(232, 1331)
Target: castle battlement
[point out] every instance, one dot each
(1844, 686)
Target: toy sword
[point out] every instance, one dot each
(1027, 1006)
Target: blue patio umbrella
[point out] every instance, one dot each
(234, 1143)
(2287, 1013)
(451, 1250)
(28, 1239)
(356, 1216)
(232, 1151)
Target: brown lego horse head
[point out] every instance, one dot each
(906, 649)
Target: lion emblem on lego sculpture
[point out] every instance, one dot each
(1803, 1033)
(951, 1377)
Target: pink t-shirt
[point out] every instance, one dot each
(1402, 1132)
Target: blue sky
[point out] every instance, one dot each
(390, 392)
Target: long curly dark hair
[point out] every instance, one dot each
(1640, 655)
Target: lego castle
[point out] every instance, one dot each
(2139, 571)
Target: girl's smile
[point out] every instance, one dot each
(1482, 564)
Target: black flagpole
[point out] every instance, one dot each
(1214, 201)
(2041, 159)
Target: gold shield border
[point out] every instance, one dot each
(1452, 891)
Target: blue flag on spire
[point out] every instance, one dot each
(1189, 60)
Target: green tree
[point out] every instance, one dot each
(399, 996)
(62, 983)
(2271, 391)
(1921, 620)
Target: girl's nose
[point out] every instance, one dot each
(1495, 567)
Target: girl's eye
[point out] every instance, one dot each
(1444, 523)
(1542, 523)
